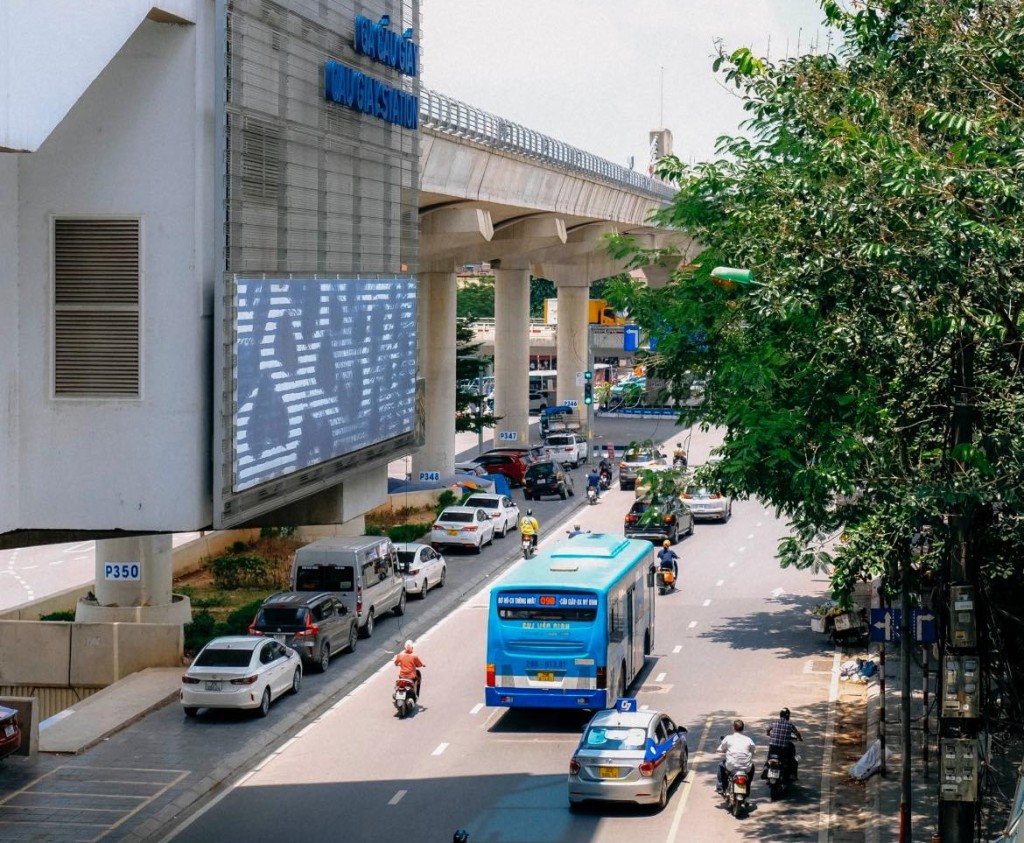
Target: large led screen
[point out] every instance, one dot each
(322, 368)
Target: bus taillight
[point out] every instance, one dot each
(490, 676)
(602, 677)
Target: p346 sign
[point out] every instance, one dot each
(124, 571)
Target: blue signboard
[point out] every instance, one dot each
(631, 337)
(924, 626)
(885, 625)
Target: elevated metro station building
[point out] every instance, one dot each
(223, 300)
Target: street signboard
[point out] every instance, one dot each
(579, 379)
(924, 624)
(885, 625)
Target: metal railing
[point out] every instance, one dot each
(452, 117)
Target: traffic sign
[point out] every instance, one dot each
(924, 625)
(885, 625)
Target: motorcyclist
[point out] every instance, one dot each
(594, 482)
(529, 526)
(679, 455)
(408, 665)
(460, 836)
(780, 740)
(739, 755)
(576, 530)
(669, 559)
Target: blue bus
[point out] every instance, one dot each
(570, 628)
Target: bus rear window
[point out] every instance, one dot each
(536, 613)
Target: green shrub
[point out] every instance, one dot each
(199, 631)
(409, 532)
(238, 621)
(242, 571)
(67, 615)
(277, 532)
(374, 530)
(239, 547)
(446, 498)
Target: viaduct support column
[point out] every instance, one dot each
(572, 338)
(134, 578)
(512, 352)
(436, 325)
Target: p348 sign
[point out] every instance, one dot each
(124, 571)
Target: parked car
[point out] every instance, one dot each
(240, 671)
(668, 518)
(568, 448)
(463, 526)
(538, 402)
(503, 511)
(423, 567)
(10, 731)
(548, 478)
(636, 458)
(707, 503)
(509, 463)
(628, 756)
(314, 625)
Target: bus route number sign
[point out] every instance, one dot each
(508, 435)
(123, 571)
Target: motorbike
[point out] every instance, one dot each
(777, 773)
(737, 792)
(406, 694)
(528, 547)
(679, 462)
(606, 479)
(666, 580)
(591, 495)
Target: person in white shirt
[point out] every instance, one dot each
(739, 754)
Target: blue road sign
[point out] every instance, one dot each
(885, 625)
(924, 626)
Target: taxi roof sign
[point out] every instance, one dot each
(626, 704)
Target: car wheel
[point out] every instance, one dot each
(575, 807)
(689, 532)
(444, 574)
(491, 539)
(400, 608)
(367, 630)
(423, 590)
(191, 711)
(572, 491)
(353, 636)
(297, 679)
(479, 548)
(562, 494)
(264, 708)
(684, 771)
(325, 657)
(674, 538)
(503, 533)
(663, 794)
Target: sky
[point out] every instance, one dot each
(601, 75)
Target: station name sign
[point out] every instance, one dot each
(354, 89)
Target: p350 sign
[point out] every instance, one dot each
(122, 571)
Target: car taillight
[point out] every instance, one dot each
(602, 676)
(413, 572)
(490, 676)
(715, 496)
(574, 767)
(245, 680)
(254, 631)
(437, 527)
(189, 680)
(359, 600)
(630, 519)
(667, 519)
(647, 769)
(311, 630)
(472, 528)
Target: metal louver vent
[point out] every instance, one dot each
(96, 298)
(261, 162)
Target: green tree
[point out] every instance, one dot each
(540, 289)
(471, 413)
(475, 299)
(877, 197)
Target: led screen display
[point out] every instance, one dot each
(322, 368)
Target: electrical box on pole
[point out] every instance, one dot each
(958, 770)
(963, 626)
(961, 686)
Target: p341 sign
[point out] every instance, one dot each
(124, 571)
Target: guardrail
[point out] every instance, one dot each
(453, 117)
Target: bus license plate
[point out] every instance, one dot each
(608, 772)
(545, 676)
(213, 686)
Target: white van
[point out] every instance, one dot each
(361, 570)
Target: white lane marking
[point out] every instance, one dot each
(394, 800)
(732, 564)
(678, 648)
(707, 603)
(741, 549)
(778, 592)
(691, 775)
(750, 535)
(825, 816)
(29, 567)
(476, 708)
(441, 747)
(692, 624)
(719, 584)
(58, 562)
(660, 677)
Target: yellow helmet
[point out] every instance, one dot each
(666, 543)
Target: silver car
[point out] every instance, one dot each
(633, 459)
(628, 756)
(707, 504)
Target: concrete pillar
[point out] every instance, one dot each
(512, 351)
(572, 339)
(436, 325)
(134, 582)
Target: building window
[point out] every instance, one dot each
(96, 308)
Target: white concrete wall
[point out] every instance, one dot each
(139, 141)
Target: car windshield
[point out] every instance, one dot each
(281, 616)
(615, 737)
(458, 517)
(219, 657)
(638, 508)
(483, 503)
(638, 456)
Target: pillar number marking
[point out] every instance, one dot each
(430, 476)
(122, 571)
(508, 435)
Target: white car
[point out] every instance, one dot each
(423, 567)
(502, 509)
(568, 448)
(465, 526)
(240, 671)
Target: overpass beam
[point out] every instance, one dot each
(512, 351)
(436, 327)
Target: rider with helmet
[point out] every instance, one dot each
(780, 740)
(576, 530)
(669, 559)
(529, 526)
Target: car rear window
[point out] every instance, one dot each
(483, 504)
(637, 456)
(324, 578)
(541, 470)
(638, 509)
(405, 559)
(615, 737)
(280, 617)
(559, 440)
(457, 517)
(217, 657)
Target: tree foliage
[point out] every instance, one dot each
(471, 413)
(877, 196)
